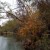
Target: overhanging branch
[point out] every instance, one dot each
(12, 15)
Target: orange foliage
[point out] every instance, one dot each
(33, 25)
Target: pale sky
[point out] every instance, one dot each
(13, 5)
(9, 1)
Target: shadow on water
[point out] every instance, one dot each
(9, 44)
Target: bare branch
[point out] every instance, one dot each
(12, 15)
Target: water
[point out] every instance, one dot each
(9, 44)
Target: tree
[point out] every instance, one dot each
(44, 8)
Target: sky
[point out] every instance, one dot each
(13, 5)
(9, 1)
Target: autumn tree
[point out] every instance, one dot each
(32, 25)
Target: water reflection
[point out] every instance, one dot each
(9, 44)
